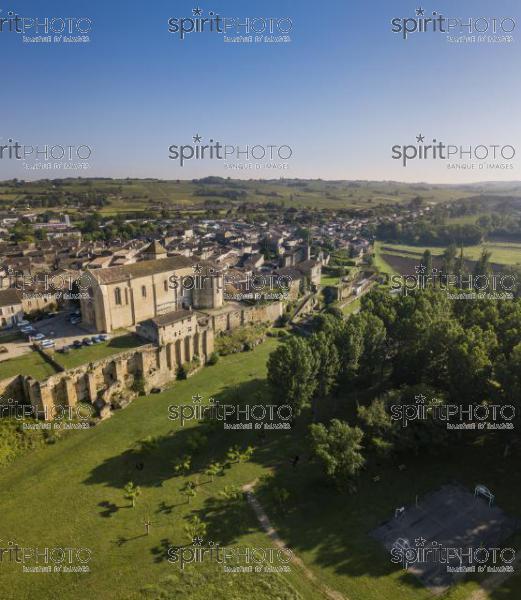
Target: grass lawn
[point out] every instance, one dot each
(380, 263)
(351, 307)
(27, 364)
(329, 280)
(505, 253)
(86, 354)
(80, 480)
(78, 483)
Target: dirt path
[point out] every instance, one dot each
(279, 542)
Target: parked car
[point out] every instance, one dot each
(75, 320)
(23, 323)
(77, 344)
(96, 339)
(64, 349)
(47, 343)
(104, 337)
(87, 341)
(27, 329)
(38, 336)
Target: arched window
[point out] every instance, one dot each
(117, 295)
(144, 291)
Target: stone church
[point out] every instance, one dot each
(123, 296)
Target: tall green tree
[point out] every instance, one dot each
(339, 449)
(291, 374)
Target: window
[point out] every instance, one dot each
(126, 296)
(144, 291)
(165, 285)
(117, 295)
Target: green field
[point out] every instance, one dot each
(505, 253)
(27, 364)
(87, 354)
(144, 194)
(78, 483)
(379, 261)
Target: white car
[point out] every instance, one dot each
(23, 323)
(47, 343)
(38, 336)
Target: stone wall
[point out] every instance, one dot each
(265, 313)
(12, 388)
(109, 382)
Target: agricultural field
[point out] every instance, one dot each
(131, 195)
(503, 253)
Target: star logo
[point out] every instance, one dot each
(196, 399)
(197, 138)
(420, 269)
(420, 399)
(420, 138)
(420, 541)
(197, 12)
(197, 268)
(197, 541)
(420, 12)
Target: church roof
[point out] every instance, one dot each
(140, 269)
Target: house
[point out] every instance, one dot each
(11, 310)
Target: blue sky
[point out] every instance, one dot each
(341, 93)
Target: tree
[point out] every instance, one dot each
(189, 491)
(327, 365)
(482, 267)
(214, 469)
(195, 528)
(449, 259)
(339, 450)
(230, 492)
(148, 444)
(291, 374)
(426, 263)
(132, 492)
(183, 465)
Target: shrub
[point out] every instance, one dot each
(213, 359)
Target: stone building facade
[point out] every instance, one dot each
(120, 297)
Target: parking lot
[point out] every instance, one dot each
(58, 327)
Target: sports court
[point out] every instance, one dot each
(450, 517)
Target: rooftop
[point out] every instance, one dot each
(140, 269)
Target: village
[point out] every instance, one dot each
(86, 319)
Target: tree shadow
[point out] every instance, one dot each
(110, 508)
(338, 526)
